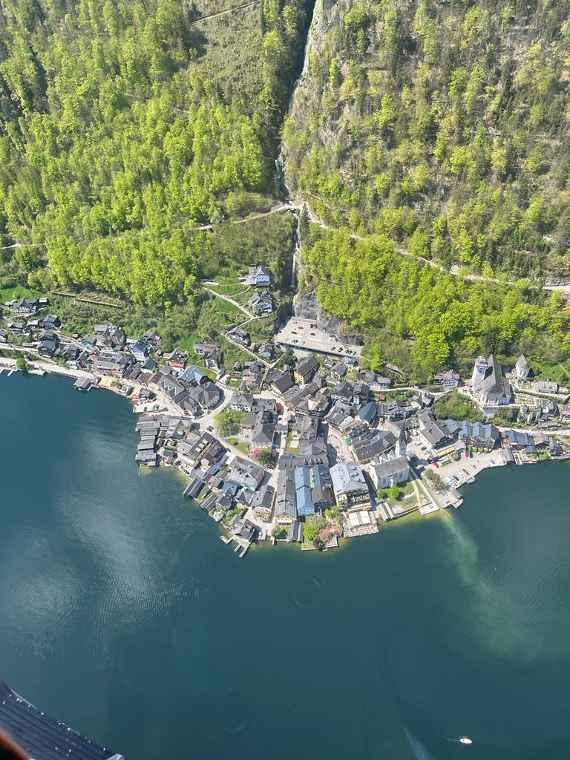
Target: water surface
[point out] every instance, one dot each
(122, 613)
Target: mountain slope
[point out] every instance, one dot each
(438, 130)
(444, 125)
(122, 130)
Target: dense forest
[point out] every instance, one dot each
(121, 131)
(443, 125)
(439, 130)
(422, 319)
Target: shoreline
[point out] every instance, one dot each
(460, 473)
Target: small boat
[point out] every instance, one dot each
(461, 740)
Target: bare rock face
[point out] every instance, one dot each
(307, 307)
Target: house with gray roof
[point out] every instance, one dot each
(349, 485)
(283, 382)
(367, 444)
(477, 435)
(285, 498)
(305, 370)
(262, 502)
(391, 472)
(368, 413)
(262, 438)
(246, 474)
(431, 432)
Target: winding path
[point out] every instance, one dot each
(241, 7)
(565, 289)
(279, 209)
(230, 300)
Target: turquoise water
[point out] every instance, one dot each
(123, 614)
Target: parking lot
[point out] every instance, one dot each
(303, 334)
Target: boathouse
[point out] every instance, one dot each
(40, 736)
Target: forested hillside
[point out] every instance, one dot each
(422, 319)
(445, 126)
(124, 124)
(439, 131)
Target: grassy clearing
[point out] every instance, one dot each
(17, 291)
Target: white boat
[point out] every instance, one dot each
(465, 740)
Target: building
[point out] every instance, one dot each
(208, 395)
(258, 277)
(322, 492)
(111, 363)
(261, 303)
(42, 737)
(50, 322)
(476, 435)
(25, 307)
(521, 369)
(339, 371)
(340, 412)
(517, 439)
(448, 379)
(110, 336)
(48, 345)
(140, 350)
(490, 387)
(349, 485)
(202, 452)
(262, 502)
(177, 359)
(313, 488)
(545, 386)
(240, 336)
(368, 413)
(305, 370)
(431, 432)
(242, 402)
(282, 383)
(391, 473)
(246, 474)
(210, 353)
(285, 501)
(262, 437)
(303, 496)
(367, 443)
(192, 376)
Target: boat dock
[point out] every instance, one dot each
(241, 545)
(84, 384)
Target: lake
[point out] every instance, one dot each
(123, 613)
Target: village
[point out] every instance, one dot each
(299, 444)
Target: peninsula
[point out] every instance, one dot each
(312, 241)
(298, 442)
